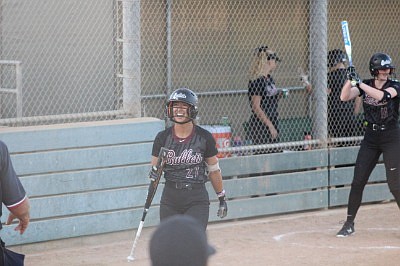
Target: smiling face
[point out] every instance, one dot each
(180, 112)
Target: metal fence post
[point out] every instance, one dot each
(318, 60)
(131, 58)
(169, 47)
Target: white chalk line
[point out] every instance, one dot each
(287, 235)
(270, 219)
(293, 216)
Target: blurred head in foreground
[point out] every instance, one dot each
(180, 240)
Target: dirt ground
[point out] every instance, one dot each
(306, 238)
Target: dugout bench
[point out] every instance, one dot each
(92, 177)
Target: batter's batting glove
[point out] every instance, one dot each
(353, 76)
(153, 173)
(350, 69)
(223, 207)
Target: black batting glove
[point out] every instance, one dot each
(153, 173)
(223, 207)
(350, 69)
(353, 76)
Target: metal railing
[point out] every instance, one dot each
(18, 84)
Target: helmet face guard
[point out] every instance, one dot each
(380, 61)
(183, 95)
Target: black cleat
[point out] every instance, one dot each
(347, 230)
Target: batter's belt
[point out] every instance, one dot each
(381, 127)
(184, 185)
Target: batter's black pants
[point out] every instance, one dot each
(194, 202)
(373, 145)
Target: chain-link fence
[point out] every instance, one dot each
(72, 60)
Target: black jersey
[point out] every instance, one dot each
(381, 112)
(265, 87)
(336, 79)
(185, 159)
(341, 119)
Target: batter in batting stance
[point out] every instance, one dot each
(191, 161)
(382, 134)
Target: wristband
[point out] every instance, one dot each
(221, 194)
(386, 96)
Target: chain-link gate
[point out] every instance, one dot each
(67, 61)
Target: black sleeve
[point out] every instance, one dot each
(12, 190)
(211, 146)
(255, 87)
(158, 143)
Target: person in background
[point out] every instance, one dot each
(380, 96)
(191, 162)
(180, 241)
(341, 115)
(264, 97)
(13, 196)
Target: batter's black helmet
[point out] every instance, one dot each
(380, 61)
(335, 57)
(182, 95)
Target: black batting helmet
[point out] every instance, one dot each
(380, 61)
(186, 96)
(335, 57)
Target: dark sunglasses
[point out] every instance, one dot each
(273, 57)
(269, 56)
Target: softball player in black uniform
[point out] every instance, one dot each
(382, 134)
(191, 161)
(341, 115)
